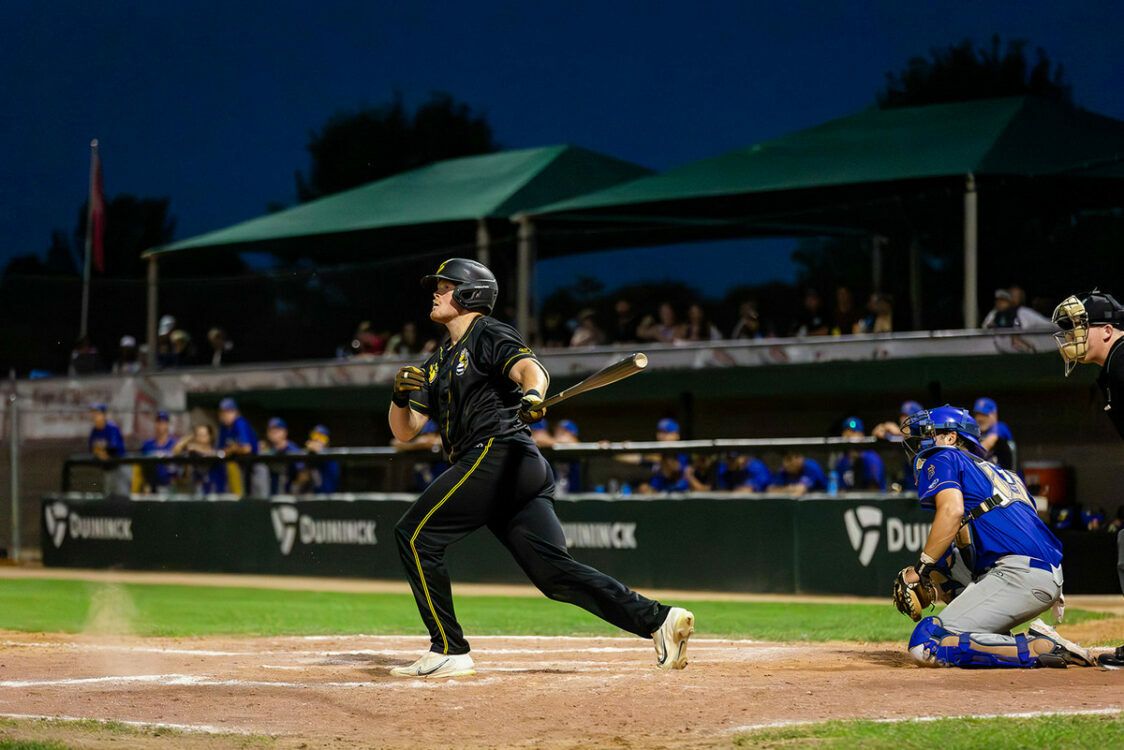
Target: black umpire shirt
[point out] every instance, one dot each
(468, 392)
(1111, 383)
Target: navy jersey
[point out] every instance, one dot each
(281, 476)
(162, 473)
(238, 433)
(1013, 528)
(867, 473)
(109, 438)
(468, 392)
(811, 476)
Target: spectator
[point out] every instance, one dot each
(587, 333)
(128, 361)
(846, 315)
(665, 328)
(859, 469)
(668, 475)
(699, 327)
(165, 352)
(236, 438)
(743, 473)
(567, 474)
(798, 475)
(405, 342)
(206, 479)
(554, 331)
(995, 436)
(1010, 311)
(880, 315)
(749, 322)
(625, 323)
(183, 350)
(158, 478)
(84, 358)
(220, 347)
(811, 321)
(324, 476)
(277, 443)
(367, 344)
(105, 443)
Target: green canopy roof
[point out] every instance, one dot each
(436, 200)
(1021, 136)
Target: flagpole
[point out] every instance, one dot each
(89, 240)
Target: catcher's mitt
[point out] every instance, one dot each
(912, 599)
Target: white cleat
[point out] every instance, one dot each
(671, 638)
(1067, 651)
(433, 665)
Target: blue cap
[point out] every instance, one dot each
(99, 407)
(854, 423)
(228, 404)
(162, 416)
(984, 406)
(277, 422)
(539, 426)
(667, 425)
(569, 426)
(323, 430)
(909, 408)
(323, 434)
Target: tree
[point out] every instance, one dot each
(356, 147)
(132, 225)
(962, 72)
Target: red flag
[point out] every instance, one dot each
(95, 219)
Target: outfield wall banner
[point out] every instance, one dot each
(755, 544)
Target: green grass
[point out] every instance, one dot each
(142, 609)
(948, 734)
(30, 745)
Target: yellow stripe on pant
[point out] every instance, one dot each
(417, 531)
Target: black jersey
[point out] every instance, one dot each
(1111, 383)
(468, 393)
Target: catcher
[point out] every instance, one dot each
(987, 554)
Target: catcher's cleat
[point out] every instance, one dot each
(1066, 652)
(671, 638)
(433, 665)
(1115, 660)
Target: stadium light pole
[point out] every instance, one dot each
(525, 267)
(971, 252)
(14, 473)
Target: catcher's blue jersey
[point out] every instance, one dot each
(1013, 528)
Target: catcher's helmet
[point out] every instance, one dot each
(920, 429)
(476, 285)
(1075, 315)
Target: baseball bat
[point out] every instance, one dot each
(626, 368)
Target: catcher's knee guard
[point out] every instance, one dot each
(934, 646)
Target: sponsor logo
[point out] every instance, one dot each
(600, 535)
(61, 522)
(866, 527)
(462, 363)
(432, 372)
(291, 526)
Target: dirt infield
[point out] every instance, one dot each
(334, 691)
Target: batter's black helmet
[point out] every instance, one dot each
(476, 285)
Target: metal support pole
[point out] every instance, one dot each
(524, 321)
(877, 242)
(971, 255)
(915, 283)
(14, 438)
(483, 242)
(150, 333)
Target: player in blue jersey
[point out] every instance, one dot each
(107, 443)
(158, 478)
(858, 468)
(236, 438)
(984, 514)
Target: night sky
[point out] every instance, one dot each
(211, 103)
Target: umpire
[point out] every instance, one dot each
(1092, 332)
(482, 387)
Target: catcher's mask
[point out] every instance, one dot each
(1075, 315)
(920, 430)
(476, 285)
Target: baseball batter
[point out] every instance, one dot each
(482, 387)
(985, 523)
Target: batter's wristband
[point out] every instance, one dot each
(400, 399)
(531, 392)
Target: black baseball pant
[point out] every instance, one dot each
(508, 487)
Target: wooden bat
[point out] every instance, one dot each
(626, 368)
